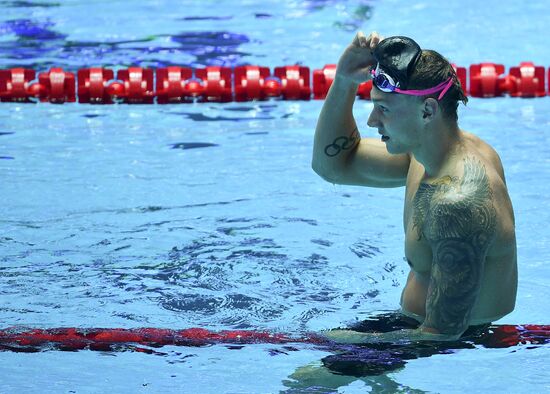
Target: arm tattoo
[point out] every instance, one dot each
(458, 219)
(343, 143)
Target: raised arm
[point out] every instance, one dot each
(340, 155)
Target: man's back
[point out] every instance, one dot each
(476, 162)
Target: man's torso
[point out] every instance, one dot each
(499, 279)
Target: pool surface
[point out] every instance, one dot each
(209, 215)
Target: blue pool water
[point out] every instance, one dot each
(107, 220)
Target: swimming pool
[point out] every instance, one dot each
(109, 221)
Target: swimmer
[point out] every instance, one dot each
(458, 219)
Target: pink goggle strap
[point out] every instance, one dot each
(443, 86)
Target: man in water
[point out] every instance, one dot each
(458, 218)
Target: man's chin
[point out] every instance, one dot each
(394, 150)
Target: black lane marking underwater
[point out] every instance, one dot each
(27, 4)
(27, 29)
(37, 39)
(7, 158)
(239, 109)
(206, 18)
(6, 132)
(93, 115)
(192, 145)
(204, 118)
(264, 113)
(197, 40)
(264, 108)
(213, 48)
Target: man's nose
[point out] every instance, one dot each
(373, 120)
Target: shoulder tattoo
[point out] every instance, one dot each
(458, 218)
(454, 207)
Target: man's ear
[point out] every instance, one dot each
(430, 109)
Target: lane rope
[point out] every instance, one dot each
(72, 338)
(347, 359)
(137, 85)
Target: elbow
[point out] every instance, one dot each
(327, 175)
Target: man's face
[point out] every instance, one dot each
(397, 118)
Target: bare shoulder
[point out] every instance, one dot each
(486, 153)
(490, 159)
(459, 205)
(470, 201)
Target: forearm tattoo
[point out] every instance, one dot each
(342, 143)
(457, 217)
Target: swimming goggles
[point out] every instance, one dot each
(396, 59)
(387, 84)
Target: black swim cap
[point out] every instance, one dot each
(397, 56)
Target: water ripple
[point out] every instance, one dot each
(363, 249)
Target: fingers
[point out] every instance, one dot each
(360, 40)
(370, 42)
(359, 36)
(375, 38)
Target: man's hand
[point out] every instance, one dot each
(357, 60)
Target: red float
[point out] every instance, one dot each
(171, 83)
(115, 90)
(294, 82)
(14, 84)
(461, 74)
(485, 81)
(138, 85)
(216, 84)
(92, 85)
(528, 80)
(364, 89)
(194, 89)
(56, 86)
(273, 87)
(322, 79)
(250, 83)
